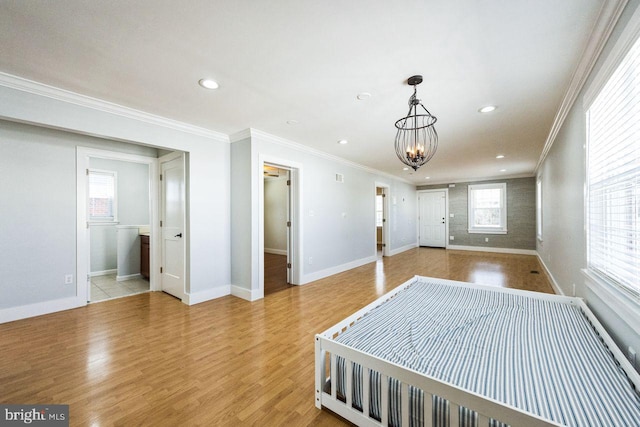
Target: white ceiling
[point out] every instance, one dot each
(307, 60)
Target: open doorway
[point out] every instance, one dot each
(277, 228)
(381, 215)
(116, 207)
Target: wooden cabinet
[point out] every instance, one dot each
(144, 255)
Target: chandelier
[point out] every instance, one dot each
(416, 139)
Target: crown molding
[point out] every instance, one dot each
(602, 28)
(41, 89)
(264, 136)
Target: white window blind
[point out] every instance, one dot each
(613, 177)
(102, 195)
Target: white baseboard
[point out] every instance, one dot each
(40, 308)
(103, 272)
(206, 295)
(275, 251)
(496, 250)
(312, 277)
(246, 294)
(557, 289)
(397, 251)
(128, 277)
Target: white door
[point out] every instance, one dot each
(433, 219)
(172, 225)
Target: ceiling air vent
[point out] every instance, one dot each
(339, 178)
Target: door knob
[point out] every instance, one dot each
(178, 235)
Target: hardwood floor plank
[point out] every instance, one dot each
(148, 359)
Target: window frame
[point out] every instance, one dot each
(607, 280)
(539, 211)
(103, 220)
(502, 228)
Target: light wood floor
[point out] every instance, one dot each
(150, 360)
(275, 273)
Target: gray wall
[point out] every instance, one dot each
(38, 210)
(275, 214)
(521, 215)
(563, 247)
(133, 209)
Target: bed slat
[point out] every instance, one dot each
(384, 400)
(365, 391)
(404, 402)
(483, 421)
(334, 376)
(428, 409)
(349, 388)
(454, 414)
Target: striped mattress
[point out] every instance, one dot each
(540, 356)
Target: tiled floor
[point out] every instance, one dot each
(106, 287)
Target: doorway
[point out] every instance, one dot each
(433, 224)
(381, 215)
(115, 207)
(277, 225)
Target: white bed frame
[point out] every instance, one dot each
(327, 349)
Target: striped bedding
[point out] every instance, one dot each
(537, 355)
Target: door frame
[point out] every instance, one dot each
(446, 215)
(83, 156)
(386, 232)
(295, 211)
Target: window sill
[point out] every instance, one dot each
(625, 306)
(103, 222)
(485, 231)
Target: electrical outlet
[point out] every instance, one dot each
(486, 239)
(310, 260)
(451, 237)
(631, 355)
(452, 215)
(68, 279)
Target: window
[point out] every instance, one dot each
(613, 178)
(539, 208)
(379, 207)
(102, 196)
(488, 208)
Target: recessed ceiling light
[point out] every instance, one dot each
(405, 169)
(427, 177)
(208, 84)
(292, 122)
(343, 142)
(500, 156)
(487, 109)
(364, 95)
(503, 170)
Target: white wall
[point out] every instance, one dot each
(31, 159)
(337, 219)
(38, 210)
(563, 249)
